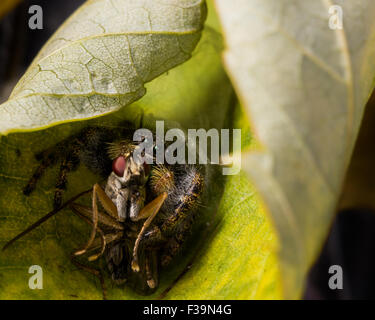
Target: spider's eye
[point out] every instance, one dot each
(118, 166)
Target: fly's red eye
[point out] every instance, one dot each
(118, 166)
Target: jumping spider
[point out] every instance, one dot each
(146, 211)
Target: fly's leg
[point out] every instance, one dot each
(151, 269)
(162, 181)
(98, 193)
(93, 271)
(44, 219)
(106, 221)
(86, 268)
(149, 211)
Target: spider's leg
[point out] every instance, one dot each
(68, 164)
(173, 245)
(183, 200)
(48, 158)
(180, 207)
(88, 146)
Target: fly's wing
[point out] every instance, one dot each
(119, 257)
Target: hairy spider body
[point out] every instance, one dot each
(148, 211)
(177, 214)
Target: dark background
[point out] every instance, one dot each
(351, 243)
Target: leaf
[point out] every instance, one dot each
(99, 60)
(233, 247)
(7, 5)
(238, 253)
(304, 86)
(359, 188)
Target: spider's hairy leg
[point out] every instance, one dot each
(183, 200)
(68, 164)
(48, 158)
(180, 208)
(174, 244)
(88, 146)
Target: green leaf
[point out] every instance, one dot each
(304, 86)
(233, 251)
(100, 59)
(238, 251)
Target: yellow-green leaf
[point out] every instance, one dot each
(232, 253)
(234, 250)
(304, 84)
